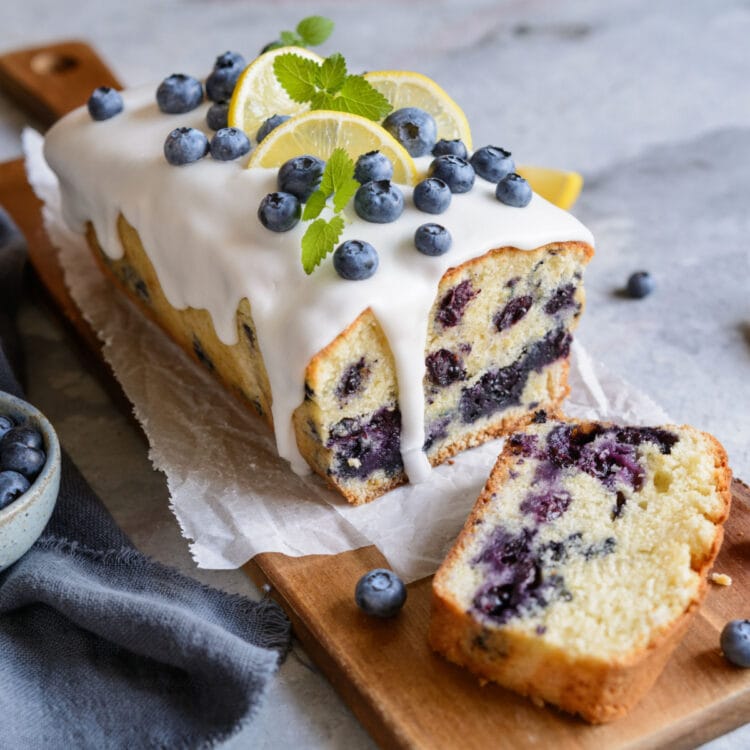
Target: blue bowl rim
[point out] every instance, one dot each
(17, 406)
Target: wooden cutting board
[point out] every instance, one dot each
(404, 695)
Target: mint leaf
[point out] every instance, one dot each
(339, 168)
(322, 100)
(314, 30)
(297, 76)
(332, 73)
(319, 240)
(359, 97)
(345, 193)
(315, 204)
(290, 39)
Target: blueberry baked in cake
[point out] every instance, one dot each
(380, 294)
(582, 562)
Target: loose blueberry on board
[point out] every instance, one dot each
(456, 147)
(640, 284)
(178, 94)
(184, 146)
(104, 103)
(227, 69)
(301, 176)
(268, 125)
(413, 128)
(379, 202)
(432, 196)
(355, 260)
(432, 239)
(12, 486)
(492, 163)
(228, 144)
(380, 593)
(216, 117)
(454, 171)
(373, 166)
(279, 211)
(6, 424)
(514, 191)
(735, 642)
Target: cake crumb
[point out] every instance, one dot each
(355, 463)
(721, 579)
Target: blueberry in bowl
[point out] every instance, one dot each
(29, 476)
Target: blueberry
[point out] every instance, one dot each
(513, 190)
(454, 171)
(279, 212)
(379, 202)
(301, 175)
(228, 144)
(380, 593)
(185, 145)
(413, 128)
(373, 166)
(432, 196)
(22, 458)
(104, 103)
(432, 239)
(227, 69)
(735, 642)
(355, 260)
(23, 434)
(12, 486)
(6, 423)
(455, 147)
(216, 117)
(640, 284)
(492, 163)
(178, 94)
(268, 125)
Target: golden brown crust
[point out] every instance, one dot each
(598, 690)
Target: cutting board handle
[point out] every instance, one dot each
(50, 81)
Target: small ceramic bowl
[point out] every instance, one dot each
(22, 522)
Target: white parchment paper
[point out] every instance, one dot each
(231, 494)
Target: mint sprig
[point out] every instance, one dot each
(310, 32)
(337, 187)
(327, 85)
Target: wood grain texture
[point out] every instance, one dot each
(406, 696)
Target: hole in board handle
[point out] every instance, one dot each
(52, 63)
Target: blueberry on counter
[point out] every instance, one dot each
(380, 593)
(104, 103)
(279, 212)
(268, 125)
(455, 147)
(492, 163)
(379, 202)
(178, 94)
(228, 144)
(12, 486)
(355, 260)
(413, 128)
(640, 284)
(185, 145)
(454, 171)
(301, 176)
(373, 166)
(432, 239)
(217, 115)
(432, 196)
(227, 69)
(735, 642)
(514, 191)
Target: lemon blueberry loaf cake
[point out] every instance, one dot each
(443, 317)
(577, 572)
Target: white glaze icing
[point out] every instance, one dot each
(199, 226)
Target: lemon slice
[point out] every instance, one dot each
(560, 188)
(258, 95)
(319, 132)
(405, 89)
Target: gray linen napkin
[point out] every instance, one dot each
(101, 647)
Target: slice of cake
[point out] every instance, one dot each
(368, 382)
(582, 562)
